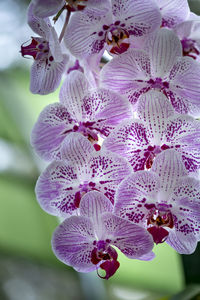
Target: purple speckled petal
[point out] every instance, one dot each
(173, 11)
(168, 165)
(133, 193)
(52, 126)
(43, 9)
(183, 133)
(129, 140)
(185, 85)
(139, 17)
(76, 149)
(38, 25)
(46, 75)
(126, 71)
(106, 109)
(72, 243)
(56, 188)
(84, 34)
(154, 109)
(108, 170)
(133, 240)
(164, 48)
(72, 92)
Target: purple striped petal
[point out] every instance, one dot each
(72, 92)
(183, 133)
(173, 11)
(133, 240)
(133, 193)
(164, 48)
(126, 71)
(168, 165)
(129, 140)
(154, 109)
(46, 75)
(181, 243)
(56, 189)
(43, 9)
(72, 243)
(185, 85)
(52, 126)
(84, 34)
(139, 17)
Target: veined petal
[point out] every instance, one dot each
(126, 71)
(154, 109)
(129, 140)
(133, 240)
(72, 243)
(140, 17)
(183, 132)
(38, 25)
(43, 9)
(164, 48)
(168, 165)
(184, 82)
(173, 11)
(181, 243)
(133, 193)
(72, 91)
(46, 75)
(56, 188)
(84, 34)
(52, 126)
(76, 149)
(108, 170)
(54, 45)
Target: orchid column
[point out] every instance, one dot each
(122, 143)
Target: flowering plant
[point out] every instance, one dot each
(122, 143)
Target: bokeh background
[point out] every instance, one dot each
(28, 268)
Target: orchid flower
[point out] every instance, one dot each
(86, 242)
(49, 62)
(165, 201)
(89, 32)
(81, 169)
(157, 129)
(91, 112)
(161, 67)
(173, 11)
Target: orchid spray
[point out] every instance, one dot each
(123, 142)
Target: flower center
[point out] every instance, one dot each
(151, 153)
(157, 83)
(115, 39)
(108, 255)
(38, 48)
(156, 222)
(83, 189)
(73, 5)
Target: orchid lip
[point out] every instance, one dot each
(38, 48)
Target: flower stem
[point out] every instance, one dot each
(65, 25)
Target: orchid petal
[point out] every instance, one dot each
(169, 166)
(154, 109)
(84, 35)
(72, 243)
(51, 128)
(181, 243)
(133, 240)
(140, 17)
(56, 189)
(126, 71)
(72, 92)
(46, 75)
(43, 9)
(133, 193)
(129, 140)
(173, 11)
(164, 48)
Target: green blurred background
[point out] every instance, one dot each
(28, 268)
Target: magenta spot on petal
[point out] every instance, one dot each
(105, 27)
(117, 22)
(100, 33)
(149, 206)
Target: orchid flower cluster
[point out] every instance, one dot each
(123, 142)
